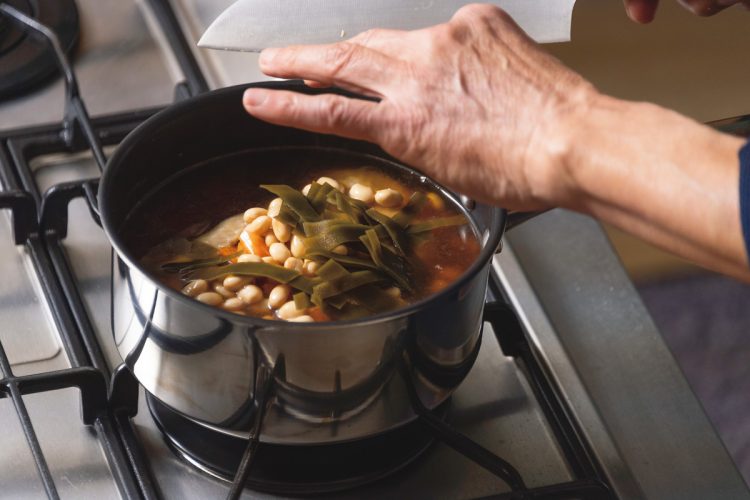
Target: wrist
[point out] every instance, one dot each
(600, 134)
(561, 143)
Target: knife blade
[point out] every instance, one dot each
(252, 25)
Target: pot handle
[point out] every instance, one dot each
(517, 218)
(512, 219)
(54, 212)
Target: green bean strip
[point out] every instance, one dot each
(293, 199)
(344, 284)
(332, 270)
(338, 235)
(318, 201)
(314, 187)
(394, 230)
(344, 204)
(373, 245)
(338, 302)
(288, 216)
(301, 301)
(305, 284)
(254, 269)
(415, 204)
(429, 225)
(174, 267)
(347, 260)
(325, 226)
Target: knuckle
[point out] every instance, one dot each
(335, 111)
(338, 56)
(370, 35)
(482, 11)
(287, 106)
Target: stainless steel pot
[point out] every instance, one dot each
(331, 381)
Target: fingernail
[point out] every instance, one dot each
(252, 98)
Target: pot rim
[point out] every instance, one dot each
(175, 111)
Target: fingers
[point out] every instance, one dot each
(707, 7)
(327, 113)
(641, 11)
(344, 64)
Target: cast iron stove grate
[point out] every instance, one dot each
(110, 411)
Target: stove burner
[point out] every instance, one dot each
(294, 470)
(25, 62)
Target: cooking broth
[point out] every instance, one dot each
(274, 252)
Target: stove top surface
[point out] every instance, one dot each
(559, 410)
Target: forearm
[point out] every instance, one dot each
(660, 176)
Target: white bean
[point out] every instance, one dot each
(282, 231)
(260, 308)
(269, 260)
(303, 319)
(306, 189)
(289, 311)
(279, 252)
(298, 246)
(234, 283)
(248, 257)
(253, 213)
(270, 239)
(394, 292)
(223, 291)
(233, 304)
(362, 193)
(210, 298)
(293, 263)
(195, 288)
(341, 250)
(333, 182)
(259, 225)
(250, 294)
(274, 207)
(278, 296)
(310, 267)
(388, 198)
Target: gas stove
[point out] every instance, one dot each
(575, 397)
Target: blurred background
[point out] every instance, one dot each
(701, 68)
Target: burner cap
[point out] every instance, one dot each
(294, 470)
(26, 62)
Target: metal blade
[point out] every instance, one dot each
(252, 25)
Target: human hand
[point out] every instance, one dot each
(643, 11)
(473, 103)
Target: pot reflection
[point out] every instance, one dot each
(203, 364)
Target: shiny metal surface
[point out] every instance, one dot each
(221, 68)
(25, 316)
(633, 402)
(495, 405)
(252, 25)
(202, 361)
(31, 340)
(333, 373)
(104, 63)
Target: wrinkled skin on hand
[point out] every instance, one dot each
(643, 11)
(473, 103)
